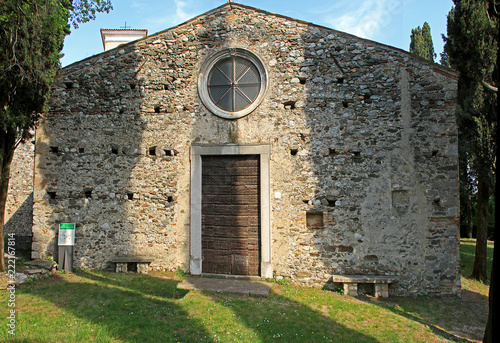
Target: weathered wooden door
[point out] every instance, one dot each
(230, 214)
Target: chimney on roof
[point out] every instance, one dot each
(112, 38)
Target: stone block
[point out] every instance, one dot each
(121, 267)
(381, 290)
(35, 271)
(351, 289)
(304, 274)
(142, 268)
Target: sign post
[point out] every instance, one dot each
(66, 242)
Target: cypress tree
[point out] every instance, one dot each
(472, 47)
(421, 42)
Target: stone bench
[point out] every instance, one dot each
(142, 263)
(381, 283)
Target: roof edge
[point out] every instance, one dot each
(448, 72)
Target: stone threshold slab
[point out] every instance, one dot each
(254, 288)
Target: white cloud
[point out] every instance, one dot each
(365, 19)
(169, 14)
(180, 10)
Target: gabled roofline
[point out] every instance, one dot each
(448, 72)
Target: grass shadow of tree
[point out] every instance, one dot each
(131, 308)
(127, 308)
(109, 307)
(447, 317)
(280, 317)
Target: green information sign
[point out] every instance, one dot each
(66, 226)
(66, 234)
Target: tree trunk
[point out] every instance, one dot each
(488, 333)
(7, 146)
(493, 302)
(470, 224)
(479, 270)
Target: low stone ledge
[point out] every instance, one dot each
(48, 265)
(364, 278)
(380, 282)
(132, 259)
(36, 269)
(142, 263)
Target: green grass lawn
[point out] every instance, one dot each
(109, 307)
(467, 253)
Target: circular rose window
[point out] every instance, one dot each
(232, 83)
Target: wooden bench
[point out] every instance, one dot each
(141, 261)
(381, 283)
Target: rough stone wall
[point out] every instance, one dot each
(364, 171)
(19, 207)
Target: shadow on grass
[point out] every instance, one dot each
(453, 318)
(129, 308)
(136, 308)
(461, 319)
(280, 318)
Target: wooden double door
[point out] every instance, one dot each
(231, 242)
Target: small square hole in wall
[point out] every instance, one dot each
(340, 80)
(114, 150)
(81, 150)
(331, 202)
(170, 199)
(289, 105)
(357, 156)
(130, 196)
(54, 149)
(88, 193)
(400, 197)
(294, 151)
(52, 195)
(152, 151)
(314, 220)
(169, 152)
(157, 109)
(302, 80)
(332, 152)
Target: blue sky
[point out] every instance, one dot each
(385, 21)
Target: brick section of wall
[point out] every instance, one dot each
(363, 133)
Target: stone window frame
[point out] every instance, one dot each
(196, 153)
(205, 73)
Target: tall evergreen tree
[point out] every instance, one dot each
(421, 42)
(467, 190)
(444, 59)
(31, 39)
(472, 47)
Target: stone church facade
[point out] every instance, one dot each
(244, 142)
